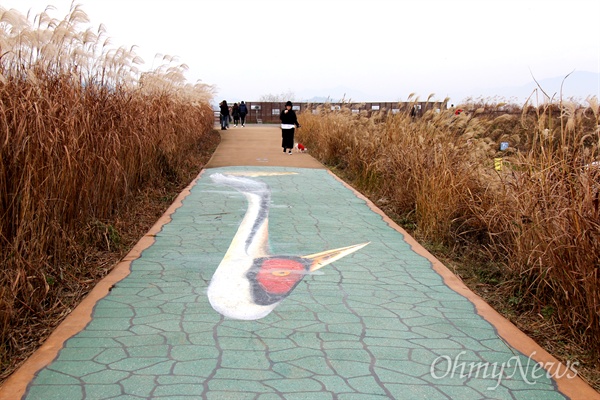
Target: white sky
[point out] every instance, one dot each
(371, 50)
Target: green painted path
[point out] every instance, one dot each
(379, 323)
(369, 326)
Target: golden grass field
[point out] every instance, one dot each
(526, 237)
(84, 136)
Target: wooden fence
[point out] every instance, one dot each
(268, 112)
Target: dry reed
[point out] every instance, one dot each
(538, 216)
(82, 130)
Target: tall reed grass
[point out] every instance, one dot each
(538, 216)
(82, 130)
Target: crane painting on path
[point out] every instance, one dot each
(250, 282)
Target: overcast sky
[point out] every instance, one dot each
(371, 50)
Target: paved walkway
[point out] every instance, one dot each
(269, 278)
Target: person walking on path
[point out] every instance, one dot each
(235, 112)
(243, 113)
(289, 122)
(224, 115)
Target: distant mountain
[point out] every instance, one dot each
(579, 85)
(333, 95)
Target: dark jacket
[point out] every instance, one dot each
(243, 109)
(224, 109)
(289, 118)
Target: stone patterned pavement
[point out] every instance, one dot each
(380, 323)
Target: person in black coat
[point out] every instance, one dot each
(224, 110)
(289, 122)
(235, 113)
(243, 113)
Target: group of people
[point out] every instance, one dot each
(236, 114)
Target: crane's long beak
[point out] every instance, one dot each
(319, 260)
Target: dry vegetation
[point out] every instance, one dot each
(526, 238)
(91, 152)
(87, 142)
